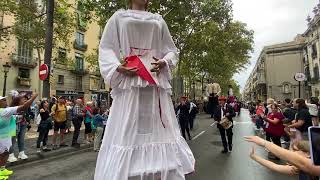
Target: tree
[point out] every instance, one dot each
(30, 23)
(211, 43)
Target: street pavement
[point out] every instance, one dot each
(206, 146)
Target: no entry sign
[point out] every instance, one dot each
(43, 72)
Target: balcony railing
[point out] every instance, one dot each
(23, 61)
(79, 71)
(80, 47)
(24, 81)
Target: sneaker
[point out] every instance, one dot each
(4, 177)
(22, 156)
(224, 151)
(76, 145)
(12, 158)
(38, 150)
(63, 145)
(45, 149)
(5, 172)
(55, 147)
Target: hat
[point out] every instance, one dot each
(222, 98)
(1, 97)
(184, 97)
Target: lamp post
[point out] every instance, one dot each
(6, 68)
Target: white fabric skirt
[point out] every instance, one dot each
(142, 140)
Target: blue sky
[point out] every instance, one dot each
(274, 21)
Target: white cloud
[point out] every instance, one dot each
(274, 21)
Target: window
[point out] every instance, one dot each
(316, 72)
(79, 83)
(62, 53)
(79, 62)
(60, 79)
(314, 51)
(80, 38)
(24, 73)
(103, 85)
(24, 51)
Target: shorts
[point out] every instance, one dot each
(5, 145)
(88, 128)
(59, 126)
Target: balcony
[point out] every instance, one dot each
(23, 61)
(80, 47)
(24, 81)
(79, 71)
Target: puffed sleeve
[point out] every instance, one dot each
(169, 49)
(109, 52)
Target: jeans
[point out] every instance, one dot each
(77, 121)
(43, 137)
(98, 137)
(21, 132)
(184, 125)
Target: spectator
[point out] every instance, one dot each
(77, 118)
(44, 126)
(303, 119)
(301, 162)
(22, 125)
(88, 122)
(313, 110)
(69, 106)
(59, 112)
(289, 112)
(193, 113)
(98, 121)
(8, 129)
(275, 128)
(183, 116)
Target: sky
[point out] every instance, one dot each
(273, 21)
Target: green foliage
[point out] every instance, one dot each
(211, 43)
(30, 22)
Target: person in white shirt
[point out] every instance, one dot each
(8, 130)
(142, 139)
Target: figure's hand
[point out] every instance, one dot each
(132, 71)
(255, 139)
(158, 65)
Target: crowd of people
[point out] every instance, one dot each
(285, 124)
(19, 111)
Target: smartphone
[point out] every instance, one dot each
(314, 139)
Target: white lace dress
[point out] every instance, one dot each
(142, 139)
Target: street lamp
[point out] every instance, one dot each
(6, 68)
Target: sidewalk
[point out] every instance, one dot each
(31, 142)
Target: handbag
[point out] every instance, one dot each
(225, 123)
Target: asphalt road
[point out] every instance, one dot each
(206, 146)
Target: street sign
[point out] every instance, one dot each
(43, 72)
(300, 77)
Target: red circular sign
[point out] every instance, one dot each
(43, 72)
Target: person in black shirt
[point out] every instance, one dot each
(226, 110)
(289, 112)
(44, 126)
(184, 116)
(303, 118)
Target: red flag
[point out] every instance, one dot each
(134, 61)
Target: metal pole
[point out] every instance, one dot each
(5, 84)
(48, 45)
(299, 89)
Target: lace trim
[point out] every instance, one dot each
(143, 15)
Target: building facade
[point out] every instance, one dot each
(72, 76)
(273, 74)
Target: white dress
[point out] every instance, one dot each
(142, 139)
